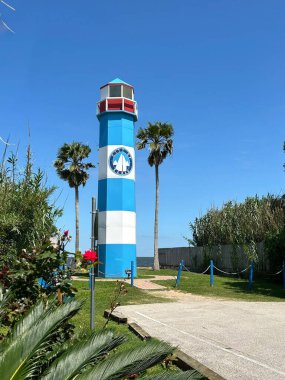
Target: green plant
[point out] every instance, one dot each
(27, 222)
(70, 167)
(20, 279)
(32, 352)
(275, 249)
(239, 224)
(158, 138)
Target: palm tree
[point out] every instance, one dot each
(158, 138)
(31, 351)
(71, 168)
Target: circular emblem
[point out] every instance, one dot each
(121, 161)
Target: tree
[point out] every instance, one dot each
(158, 138)
(71, 168)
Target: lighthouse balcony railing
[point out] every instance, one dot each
(117, 104)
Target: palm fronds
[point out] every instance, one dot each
(158, 138)
(129, 362)
(31, 353)
(23, 351)
(82, 355)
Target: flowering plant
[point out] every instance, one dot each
(90, 256)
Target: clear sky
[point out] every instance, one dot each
(215, 69)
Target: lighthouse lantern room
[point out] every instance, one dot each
(115, 96)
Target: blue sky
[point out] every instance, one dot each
(215, 69)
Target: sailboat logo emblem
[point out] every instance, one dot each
(121, 161)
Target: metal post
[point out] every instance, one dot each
(132, 273)
(250, 276)
(284, 274)
(211, 273)
(90, 279)
(179, 273)
(92, 274)
(96, 248)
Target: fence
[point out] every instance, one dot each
(225, 257)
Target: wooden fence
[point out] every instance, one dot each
(198, 258)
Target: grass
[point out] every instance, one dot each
(103, 294)
(226, 287)
(104, 291)
(146, 273)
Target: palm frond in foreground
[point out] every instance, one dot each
(30, 353)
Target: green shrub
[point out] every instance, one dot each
(27, 222)
(239, 224)
(275, 249)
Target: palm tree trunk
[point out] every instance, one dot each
(156, 258)
(76, 219)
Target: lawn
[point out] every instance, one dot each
(103, 294)
(148, 273)
(226, 287)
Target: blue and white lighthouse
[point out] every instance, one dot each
(117, 113)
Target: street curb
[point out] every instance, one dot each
(186, 362)
(116, 316)
(141, 333)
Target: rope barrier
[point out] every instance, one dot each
(206, 270)
(275, 274)
(188, 270)
(220, 270)
(212, 267)
(231, 273)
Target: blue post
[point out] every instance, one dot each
(179, 273)
(212, 273)
(132, 273)
(284, 274)
(250, 276)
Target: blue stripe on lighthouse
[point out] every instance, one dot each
(115, 259)
(116, 194)
(116, 128)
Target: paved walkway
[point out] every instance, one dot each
(147, 284)
(238, 340)
(141, 283)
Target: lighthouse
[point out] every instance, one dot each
(117, 114)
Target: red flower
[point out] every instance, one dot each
(65, 233)
(90, 256)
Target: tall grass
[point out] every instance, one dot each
(239, 224)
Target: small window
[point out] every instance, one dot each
(128, 92)
(115, 91)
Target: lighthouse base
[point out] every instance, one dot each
(115, 259)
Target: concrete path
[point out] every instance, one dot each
(238, 340)
(141, 283)
(147, 284)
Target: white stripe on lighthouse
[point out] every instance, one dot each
(104, 167)
(117, 227)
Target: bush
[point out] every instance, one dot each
(275, 249)
(27, 224)
(239, 224)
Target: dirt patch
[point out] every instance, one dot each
(178, 296)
